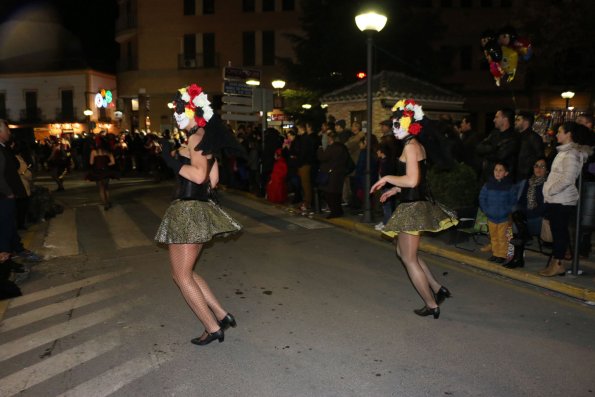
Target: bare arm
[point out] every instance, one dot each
(112, 160)
(196, 171)
(413, 153)
(92, 157)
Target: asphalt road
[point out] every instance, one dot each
(320, 311)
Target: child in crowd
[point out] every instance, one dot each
(497, 199)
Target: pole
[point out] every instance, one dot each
(577, 233)
(367, 204)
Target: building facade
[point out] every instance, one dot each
(167, 45)
(55, 102)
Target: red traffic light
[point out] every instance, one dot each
(361, 75)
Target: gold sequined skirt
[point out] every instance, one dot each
(419, 216)
(194, 222)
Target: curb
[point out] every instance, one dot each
(583, 294)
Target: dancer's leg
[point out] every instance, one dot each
(407, 250)
(183, 258)
(435, 285)
(212, 301)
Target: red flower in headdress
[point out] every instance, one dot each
(193, 90)
(414, 128)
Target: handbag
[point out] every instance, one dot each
(323, 177)
(546, 231)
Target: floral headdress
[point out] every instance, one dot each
(191, 102)
(406, 117)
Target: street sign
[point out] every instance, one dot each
(237, 108)
(234, 87)
(239, 100)
(262, 100)
(230, 73)
(239, 117)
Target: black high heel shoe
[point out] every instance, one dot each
(426, 311)
(227, 321)
(442, 294)
(201, 341)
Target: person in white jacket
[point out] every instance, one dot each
(560, 192)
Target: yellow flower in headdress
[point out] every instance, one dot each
(189, 113)
(405, 122)
(399, 105)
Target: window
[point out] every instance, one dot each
(466, 3)
(248, 49)
(189, 54)
(2, 105)
(486, 3)
(268, 47)
(288, 5)
(189, 7)
(248, 6)
(31, 105)
(466, 59)
(268, 5)
(208, 7)
(67, 105)
(446, 3)
(505, 3)
(208, 49)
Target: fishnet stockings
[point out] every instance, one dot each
(194, 288)
(422, 278)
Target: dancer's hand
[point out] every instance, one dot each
(378, 185)
(166, 155)
(389, 193)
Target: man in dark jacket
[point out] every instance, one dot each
(470, 139)
(531, 146)
(333, 162)
(501, 145)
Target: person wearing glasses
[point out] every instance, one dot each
(531, 208)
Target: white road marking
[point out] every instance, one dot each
(35, 296)
(61, 239)
(124, 231)
(62, 307)
(28, 342)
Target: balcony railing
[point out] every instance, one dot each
(125, 65)
(66, 114)
(31, 114)
(197, 61)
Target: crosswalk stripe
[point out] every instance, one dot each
(44, 294)
(61, 362)
(61, 238)
(123, 230)
(62, 307)
(113, 380)
(28, 342)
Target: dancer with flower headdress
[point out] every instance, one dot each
(417, 211)
(194, 218)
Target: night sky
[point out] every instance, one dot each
(57, 33)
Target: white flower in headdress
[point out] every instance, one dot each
(207, 113)
(418, 113)
(185, 97)
(201, 100)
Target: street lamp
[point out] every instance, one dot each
(278, 85)
(568, 95)
(369, 22)
(88, 113)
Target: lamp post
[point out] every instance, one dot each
(88, 113)
(369, 22)
(568, 95)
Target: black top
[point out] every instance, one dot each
(418, 193)
(188, 190)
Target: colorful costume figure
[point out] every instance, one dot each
(416, 211)
(277, 186)
(194, 218)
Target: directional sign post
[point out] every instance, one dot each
(238, 96)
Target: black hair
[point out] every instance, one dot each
(504, 165)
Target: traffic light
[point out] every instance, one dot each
(361, 75)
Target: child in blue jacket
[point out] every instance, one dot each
(497, 199)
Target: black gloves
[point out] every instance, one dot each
(170, 161)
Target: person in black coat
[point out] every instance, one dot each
(469, 141)
(531, 145)
(333, 161)
(501, 145)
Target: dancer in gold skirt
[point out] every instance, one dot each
(416, 211)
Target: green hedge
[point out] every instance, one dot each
(456, 188)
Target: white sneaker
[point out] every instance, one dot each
(379, 226)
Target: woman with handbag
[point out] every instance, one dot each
(416, 212)
(193, 218)
(560, 192)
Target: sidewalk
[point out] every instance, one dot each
(581, 287)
